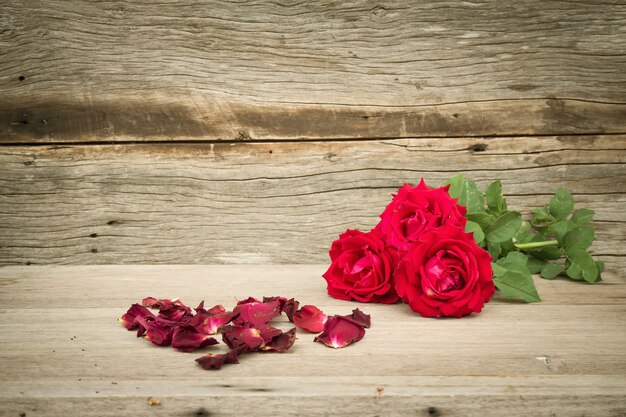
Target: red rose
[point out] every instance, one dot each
(362, 268)
(416, 210)
(445, 274)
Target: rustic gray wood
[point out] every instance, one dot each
(271, 202)
(81, 71)
(561, 357)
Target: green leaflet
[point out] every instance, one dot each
(517, 285)
(471, 227)
(562, 204)
(504, 228)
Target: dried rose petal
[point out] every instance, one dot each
(216, 360)
(309, 318)
(282, 342)
(256, 313)
(238, 336)
(187, 339)
(218, 309)
(282, 301)
(290, 308)
(152, 302)
(129, 320)
(211, 324)
(248, 300)
(175, 310)
(360, 317)
(268, 332)
(340, 331)
(142, 324)
(159, 334)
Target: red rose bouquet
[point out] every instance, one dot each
(444, 251)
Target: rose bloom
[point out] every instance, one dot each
(445, 274)
(416, 210)
(362, 268)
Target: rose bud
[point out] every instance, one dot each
(309, 318)
(187, 339)
(362, 268)
(216, 360)
(129, 320)
(282, 342)
(255, 312)
(445, 274)
(416, 210)
(340, 331)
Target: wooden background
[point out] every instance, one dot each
(257, 131)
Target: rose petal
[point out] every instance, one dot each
(290, 308)
(238, 336)
(268, 332)
(152, 302)
(282, 342)
(129, 320)
(340, 331)
(174, 310)
(256, 313)
(211, 324)
(216, 360)
(248, 300)
(309, 318)
(360, 317)
(159, 333)
(282, 301)
(187, 339)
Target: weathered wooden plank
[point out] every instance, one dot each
(270, 202)
(92, 70)
(563, 356)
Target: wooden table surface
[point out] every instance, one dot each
(63, 352)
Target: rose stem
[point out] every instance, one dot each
(535, 245)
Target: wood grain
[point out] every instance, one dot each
(562, 357)
(81, 71)
(270, 202)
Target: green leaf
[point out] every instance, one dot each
(495, 199)
(562, 204)
(582, 265)
(483, 219)
(547, 253)
(523, 235)
(471, 227)
(600, 265)
(573, 271)
(534, 265)
(498, 270)
(561, 228)
(541, 216)
(579, 238)
(582, 216)
(518, 285)
(504, 228)
(550, 271)
(515, 260)
(456, 185)
(494, 250)
(467, 193)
